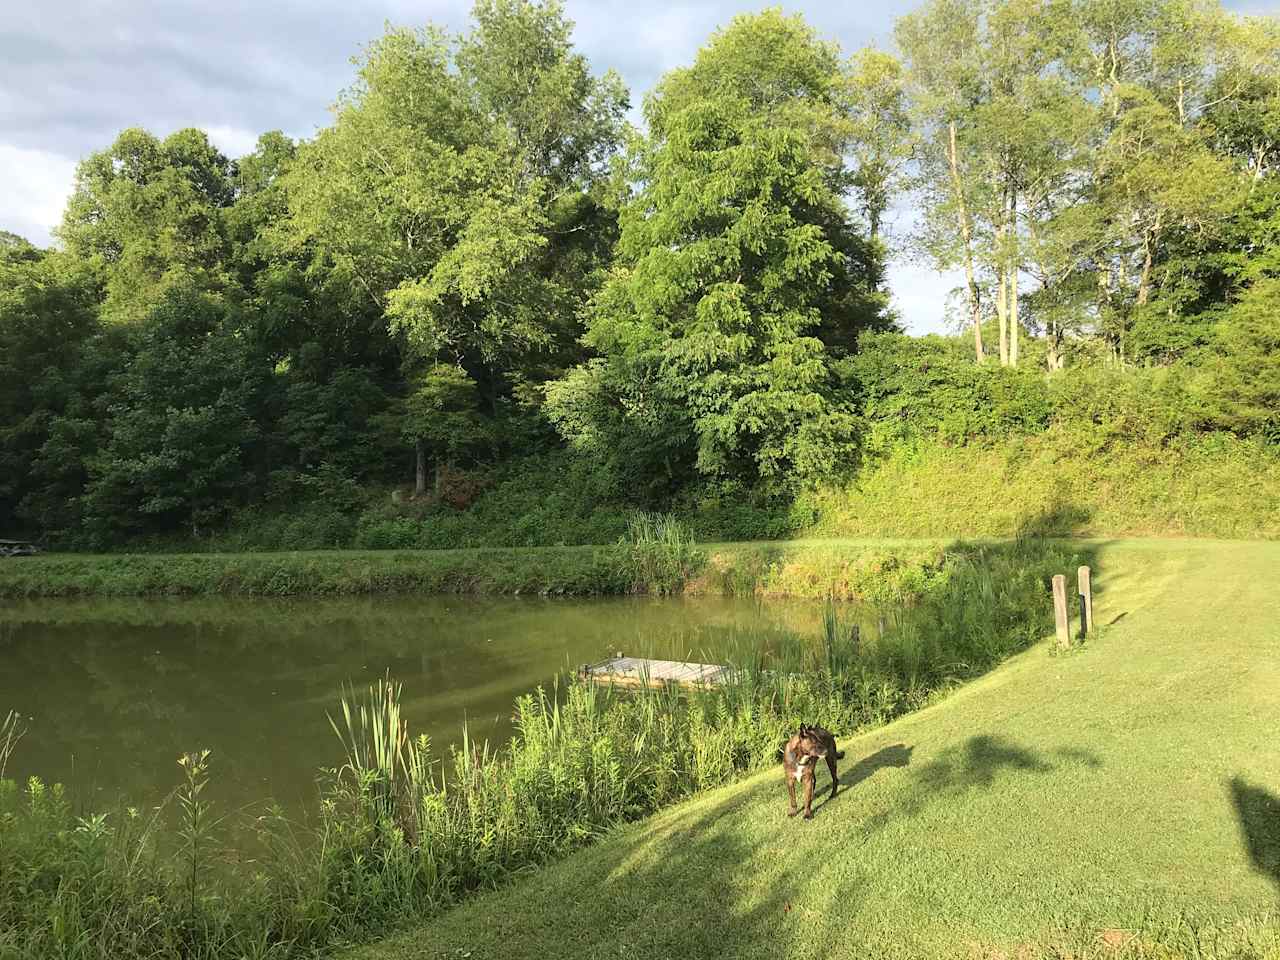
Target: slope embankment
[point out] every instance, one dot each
(1120, 800)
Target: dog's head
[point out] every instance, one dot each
(811, 743)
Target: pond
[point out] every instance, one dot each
(114, 691)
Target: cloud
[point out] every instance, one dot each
(37, 184)
(77, 72)
(234, 142)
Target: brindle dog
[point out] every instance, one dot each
(800, 759)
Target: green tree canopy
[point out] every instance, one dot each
(149, 214)
(737, 253)
(451, 171)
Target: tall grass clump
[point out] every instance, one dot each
(663, 552)
(385, 764)
(12, 730)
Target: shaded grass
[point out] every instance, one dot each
(1115, 802)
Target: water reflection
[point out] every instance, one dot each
(116, 690)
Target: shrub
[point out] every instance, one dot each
(928, 386)
(1244, 390)
(1105, 404)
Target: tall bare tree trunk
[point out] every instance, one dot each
(1149, 240)
(1002, 312)
(1014, 261)
(1013, 315)
(1148, 255)
(962, 213)
(420, 474)
(975, 318)
(1104, 307)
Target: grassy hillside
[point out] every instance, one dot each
(1058, 483)
(1121, 800)
(1069, 483)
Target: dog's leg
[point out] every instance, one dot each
(831, 765)
(809, 779)
(791, 792)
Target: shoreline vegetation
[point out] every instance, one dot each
(397, 837)
(856, 570)
(1060, 484)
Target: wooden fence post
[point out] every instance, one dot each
(1085, 586)
(1060, 610)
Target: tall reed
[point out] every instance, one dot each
(663, 552)
(12, 729)
(380, 754)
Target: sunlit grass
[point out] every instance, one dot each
(1078, 806)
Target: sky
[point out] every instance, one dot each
(77, 72)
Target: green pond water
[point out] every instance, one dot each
(113, 691)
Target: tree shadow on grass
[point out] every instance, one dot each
(1258, 811)
(977, 764)
(712, 883)
(734, 876)
(1059, 518)
(896, 755)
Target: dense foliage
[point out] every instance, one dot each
(480, 309)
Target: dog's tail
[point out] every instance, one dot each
(839, 754)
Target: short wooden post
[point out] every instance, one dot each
(1086, 601)
(1060, 610)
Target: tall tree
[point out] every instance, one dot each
(47, 317)
(737, 254)
(459, 189)
(181, 422)
(880, 137)
(1002, 125)
(149, 214)
(940, 46)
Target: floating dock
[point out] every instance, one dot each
(623, 671)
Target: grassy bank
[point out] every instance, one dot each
(1060, 483)
(396, 839)
(1122, 801)
(550, 570)
(852, 569)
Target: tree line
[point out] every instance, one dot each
(479, 258)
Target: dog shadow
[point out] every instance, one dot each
(896, 755)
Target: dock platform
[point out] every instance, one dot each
(621, 671)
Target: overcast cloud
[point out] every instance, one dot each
(76, 72)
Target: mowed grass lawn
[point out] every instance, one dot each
(1122, 800)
